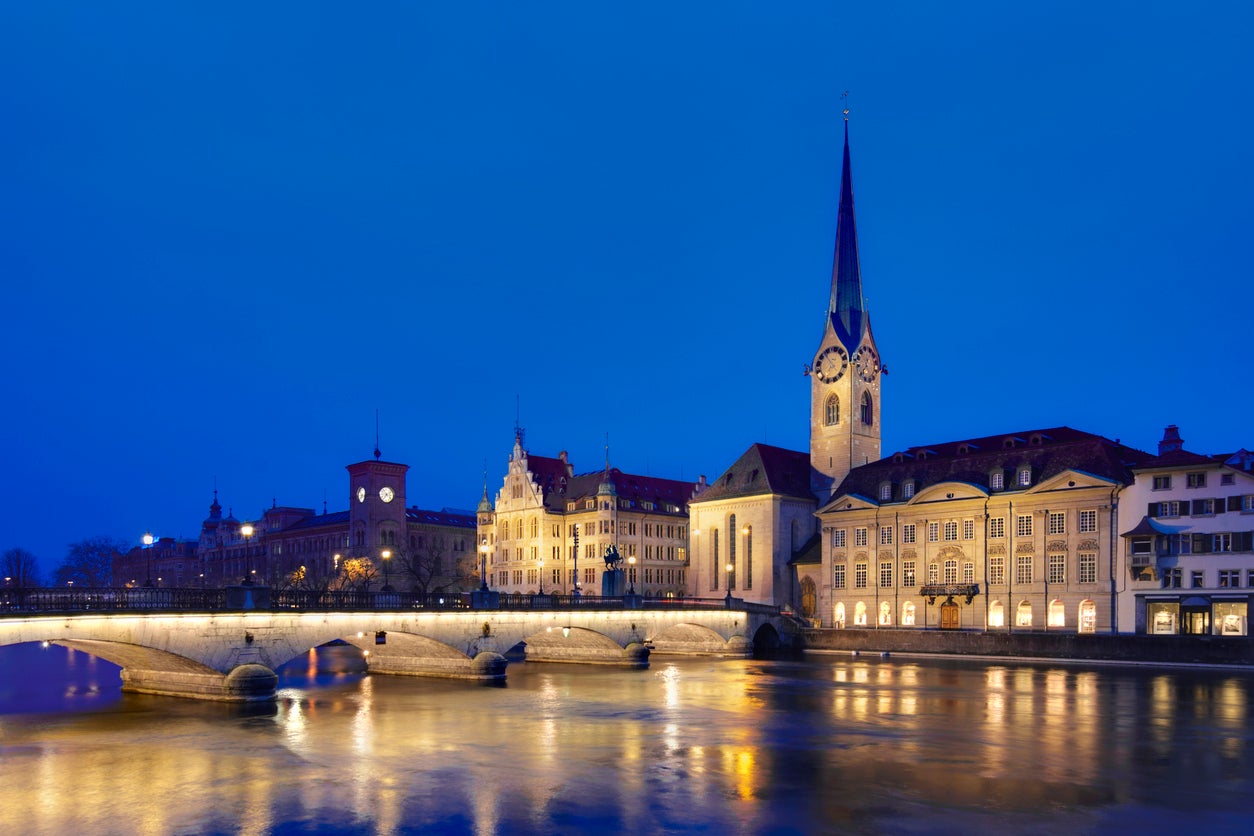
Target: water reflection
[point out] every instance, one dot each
(831, 743)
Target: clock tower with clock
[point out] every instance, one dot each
(376, 508)
(845, 373)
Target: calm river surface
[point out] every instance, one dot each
(828, 744)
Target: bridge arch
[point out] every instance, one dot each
(698, 639)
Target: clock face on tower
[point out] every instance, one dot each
(831, 364)
(386, 494)
(867, 363)
(361, 494)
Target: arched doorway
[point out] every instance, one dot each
(907, 614)
(840, 616)
(996, 614)
(886, 614)
(1057, 614)
(950, 615)
(1023, 615)
(1087, 616)
(859, 614)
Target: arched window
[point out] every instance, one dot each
(907, 614)
(859, 614)
(831, 410)
(731, 553)
(1057, 614)
(1023, 615)
(518, 529)
(886, 614)
(715, 568)
(535, 527)
(809, 597)
(867, 412)
(996, 614)
(840, 616)
(951, 571)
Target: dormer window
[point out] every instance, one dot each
(886, 491)
(997, 480)
(1025, 477)
(907, 489)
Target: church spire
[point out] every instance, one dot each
(846, 308)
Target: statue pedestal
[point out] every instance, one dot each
(241, 597)
(485, 599)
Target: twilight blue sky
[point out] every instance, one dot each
(229, 233)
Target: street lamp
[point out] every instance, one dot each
(484, 548)
(246, 531)
(631, 575)
(387, 565)
(541, 577)
(148, 539)
(731, 567)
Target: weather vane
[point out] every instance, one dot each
(845, 98)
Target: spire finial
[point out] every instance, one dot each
(844, 97)
(377, 454)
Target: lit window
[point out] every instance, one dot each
(1023, 568)
(997, 570)
(1088, 567)
(886, 491)
(907, 489)
(907, 573)
(997, 481)
(838, 538)
(1057, 568)
(859, 536)
(1025, 476)
(951, 571)
(1088, 521)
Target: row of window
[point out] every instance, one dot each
(831, 410)
(1201, 507)
(593, 527)
(952, 571)
(1167, 545)
(1086, 615)
(532, 576)
(1225, 578)
(1191, 480)
(1056, 523)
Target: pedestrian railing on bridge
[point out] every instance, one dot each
(60, 600)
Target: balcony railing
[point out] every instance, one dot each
(22, 602)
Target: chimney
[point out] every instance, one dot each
(1171, 440)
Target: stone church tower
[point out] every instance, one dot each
(845, 374)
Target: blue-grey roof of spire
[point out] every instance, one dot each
(846, 309)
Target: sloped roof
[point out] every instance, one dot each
(634, 488)
(1048, 452)
(809, 552)
(334, 518)
(763, 469)
(1177, 458)
(442, 517)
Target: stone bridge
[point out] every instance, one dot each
(233, 656)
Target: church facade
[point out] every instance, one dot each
(754, 531)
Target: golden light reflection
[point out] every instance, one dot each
(745, 787)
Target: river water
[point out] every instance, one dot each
(827, 744)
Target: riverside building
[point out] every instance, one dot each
(550, 528)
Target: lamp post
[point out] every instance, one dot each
(731, 567)
(246, 531)
(631, 575)
(575, 551)
(148, 539)
(387, 564)
(541, 577)
(484, 548)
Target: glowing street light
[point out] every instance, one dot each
(387, 564)
(731, 567)
(246, 531)
(541, 577)
(484, 548)
(148, 541)
(631, 575)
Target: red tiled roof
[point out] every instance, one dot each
(763, 469)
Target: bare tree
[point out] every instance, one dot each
(21, 569)
(89, 562)
(432, 567)
(356, 573)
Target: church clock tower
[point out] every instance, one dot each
(845, 374)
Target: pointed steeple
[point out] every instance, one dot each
(847, 308)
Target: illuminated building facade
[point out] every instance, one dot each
(1188, 542)
(754, 530)
(998, 533)
(415, 549)
(528, 538)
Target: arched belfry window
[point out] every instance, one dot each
(831, 410)
(867, 412)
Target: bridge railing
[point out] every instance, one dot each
(22, 602)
